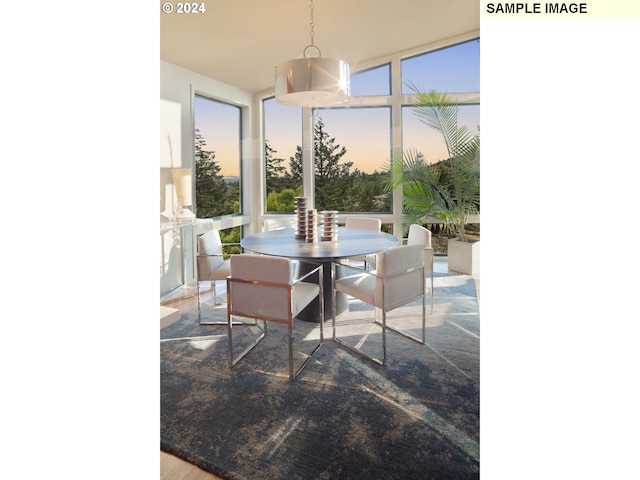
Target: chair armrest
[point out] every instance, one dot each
(374, 273)
(299, 279)
(272, 283)
(218, 254)
(351, 267)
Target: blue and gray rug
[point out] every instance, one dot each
(344, 417)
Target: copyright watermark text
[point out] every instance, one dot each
(193, 7)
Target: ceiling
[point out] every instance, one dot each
(239, 42)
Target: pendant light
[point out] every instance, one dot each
(312, 81)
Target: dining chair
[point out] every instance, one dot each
(212, 267)
(262, 287)
(363, 222)
(366, 223)
(271, 224)
(399, 279)
(418, 235)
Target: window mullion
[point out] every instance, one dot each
(308, 168)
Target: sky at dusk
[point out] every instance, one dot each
(365, 132)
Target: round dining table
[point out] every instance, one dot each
(349, 242)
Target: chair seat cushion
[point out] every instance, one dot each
(360, 286)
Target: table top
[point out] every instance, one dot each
(351, 242)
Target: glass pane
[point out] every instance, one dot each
(376, 81)
(352, 152)
(419, 137)
(217, 157)
(453, 69)
(283, 137)
(230, 239)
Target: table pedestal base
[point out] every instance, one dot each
(310, 312)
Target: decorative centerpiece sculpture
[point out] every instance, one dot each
(312, 225)
(330, 224)
(301, 212)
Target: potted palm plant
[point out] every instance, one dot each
(448, 191)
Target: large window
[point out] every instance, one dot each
(420, 139)
(283, 170)
(452, 69)
(352, 151)
(375, 81)
(353, 145)
(217, 157)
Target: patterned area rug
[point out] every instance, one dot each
(344, 417)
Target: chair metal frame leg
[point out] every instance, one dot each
(232, 361)
(292, 374)
(360, 352)
(346, 345)
(423, 339)
(382, 324)
(407, 335)
(432, 287)
(431, 273)
(214, 293)
(222, 322)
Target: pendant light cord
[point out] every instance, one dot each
(311, 33)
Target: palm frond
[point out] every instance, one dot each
(424, 192)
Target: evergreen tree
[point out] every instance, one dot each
(295, 165)
(277, 176)
(273, 166)
(211, 189)
(332, 177)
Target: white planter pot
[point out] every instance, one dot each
(464, 257)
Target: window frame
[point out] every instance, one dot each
(396, 100)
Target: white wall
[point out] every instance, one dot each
(170, 155)
(179, 85)
(177, 89)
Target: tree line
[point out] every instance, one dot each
(337, 186)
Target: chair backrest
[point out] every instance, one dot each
(256, 298)
(279, 223)
(418, 235)
(363, 222)
(394, 280)
(209, 244)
